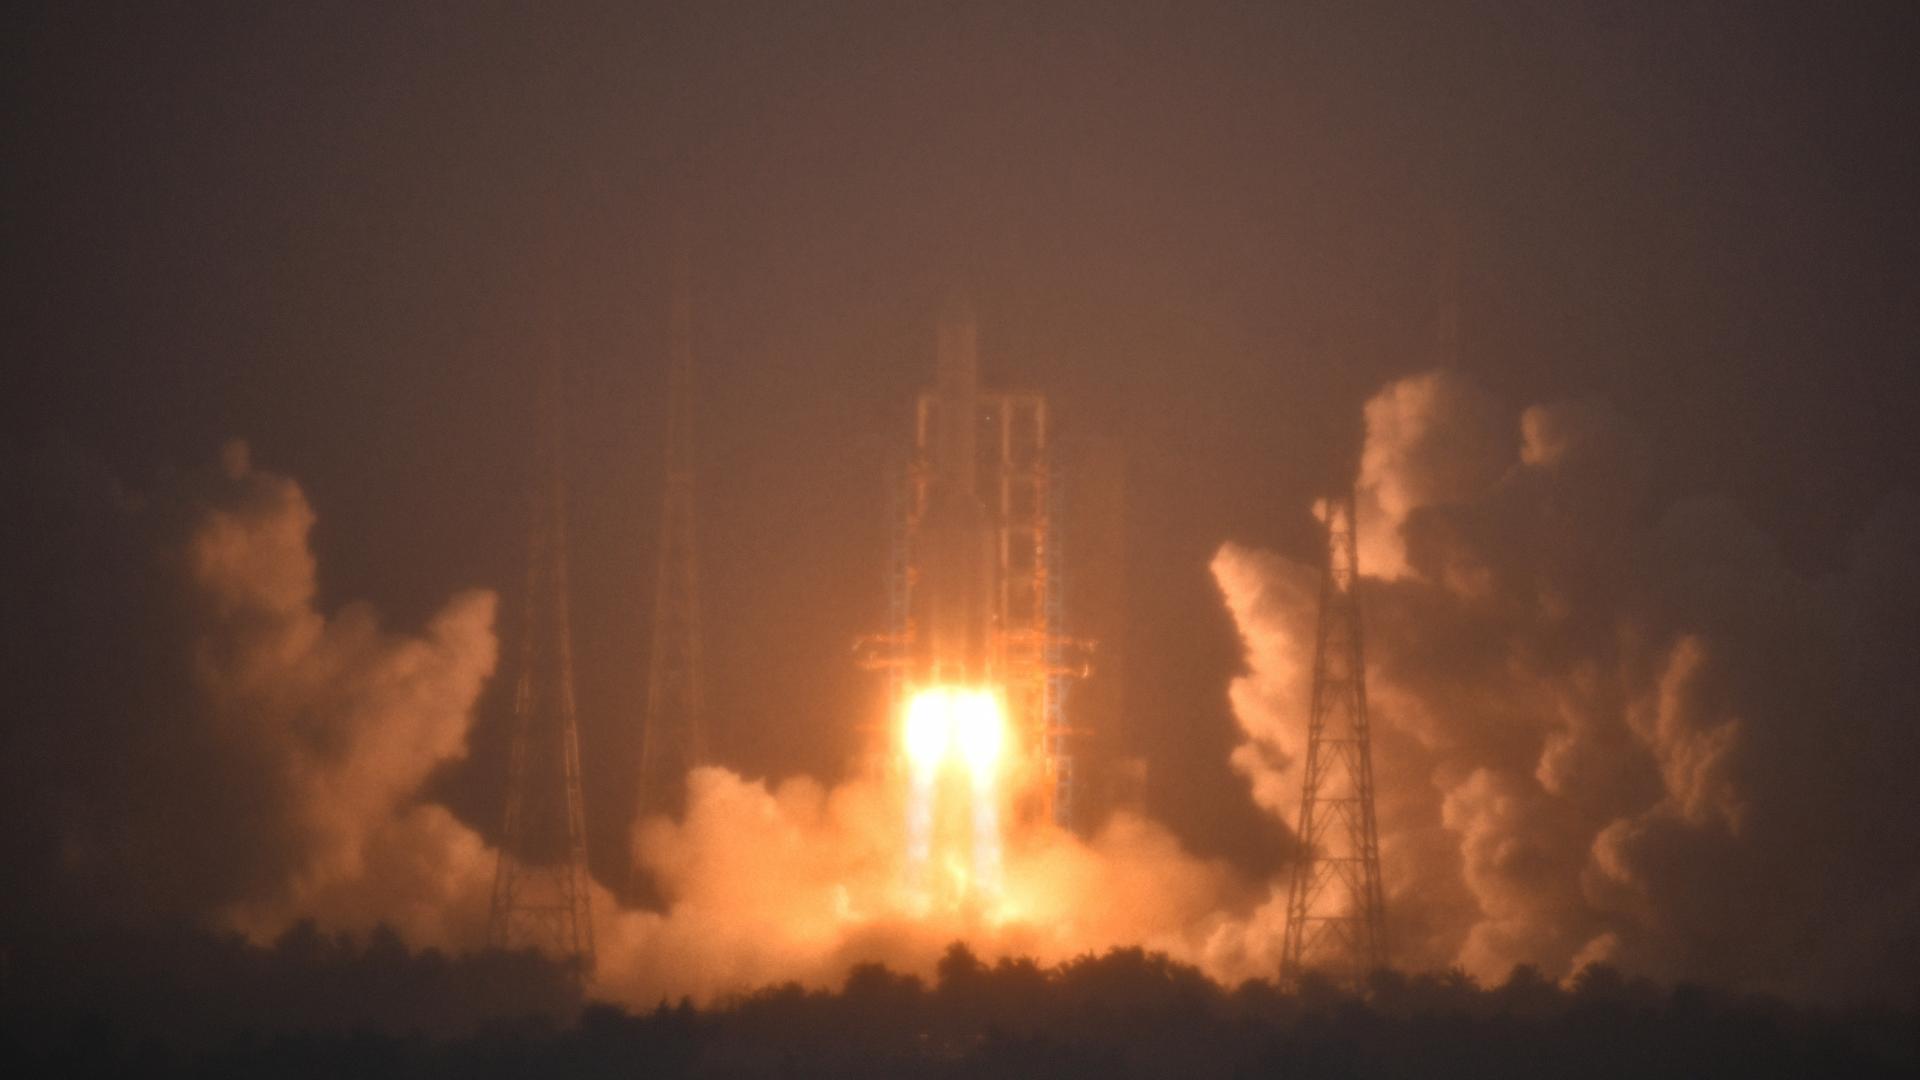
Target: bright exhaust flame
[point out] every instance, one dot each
(944, 721)
(957, 733)
(980, 729)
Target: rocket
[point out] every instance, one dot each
(955, 590)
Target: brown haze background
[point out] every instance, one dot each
(1642, 592)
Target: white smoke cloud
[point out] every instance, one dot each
(798, 882)
(284, 770)
(277, 772)
(1433, 439)
(1602, 732)
(1274, 602)
(1605, 731)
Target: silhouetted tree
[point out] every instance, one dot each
(193, 1004)
(1529, 993)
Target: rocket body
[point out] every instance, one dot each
(956, 537)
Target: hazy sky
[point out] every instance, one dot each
(347, 233)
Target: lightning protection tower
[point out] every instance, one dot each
(540, 886)
(673, 739)
(1335, 913)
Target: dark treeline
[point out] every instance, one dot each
(181, 993)
(187, 1004)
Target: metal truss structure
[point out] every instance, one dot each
(1335, 910)
(540, 888)
(674, 737)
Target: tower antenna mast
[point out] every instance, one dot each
(674, 736)
(540, 886)
(1335, 911)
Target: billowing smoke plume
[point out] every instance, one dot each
(1604, 730)
(209, 746)
(1607, 730)
(798, 882)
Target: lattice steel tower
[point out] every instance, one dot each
(673, 740)
(540, 885)
(1335, 913)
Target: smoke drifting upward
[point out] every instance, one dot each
(799, 882)
(245, 760)
(215, 748)
(210, 746)
(1605, 729)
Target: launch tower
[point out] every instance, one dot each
(673, 740)
(540, 886)
(1335, 912)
